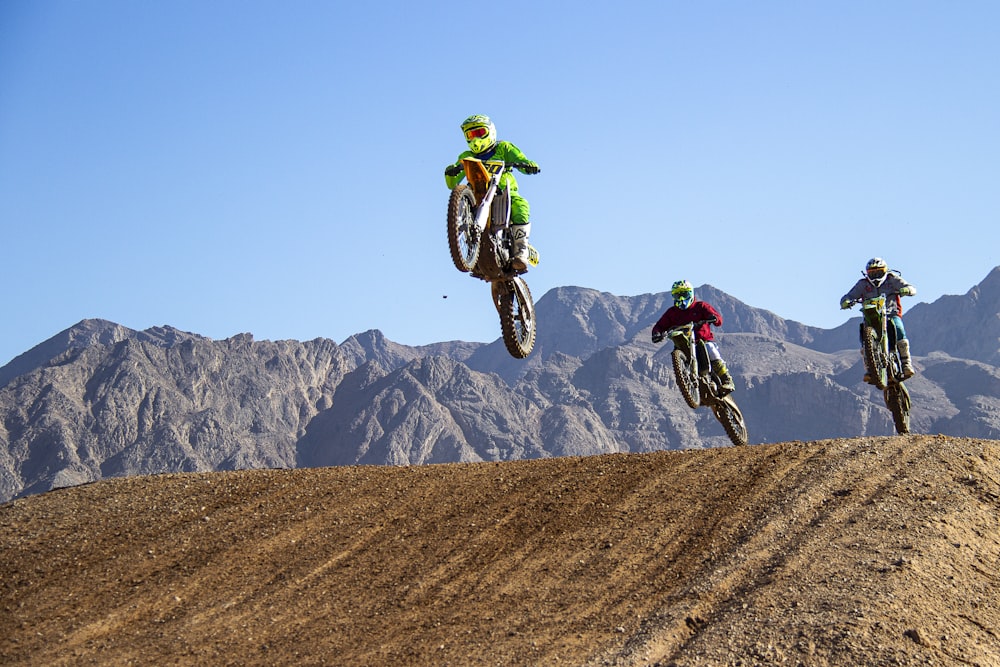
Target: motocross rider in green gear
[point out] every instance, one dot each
(481, 136)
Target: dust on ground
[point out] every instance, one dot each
(865, 551)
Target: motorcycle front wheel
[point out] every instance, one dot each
(686, 382)
(517, 316)
(731, 418)
(875, 361)
(897, 399)
(464, 240)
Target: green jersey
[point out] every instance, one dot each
(505, 152)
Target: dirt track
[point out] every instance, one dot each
(871, 551)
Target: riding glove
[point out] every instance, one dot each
(529, 168)
(845, 304)
(453, 170)
(658, 336)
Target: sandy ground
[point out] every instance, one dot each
(868, 551)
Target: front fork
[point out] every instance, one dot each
(485, 206)
(880, 323)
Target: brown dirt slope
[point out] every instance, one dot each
(869, 551)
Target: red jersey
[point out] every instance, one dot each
(698, 310)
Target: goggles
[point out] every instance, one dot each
(876, 273)
(476, 133)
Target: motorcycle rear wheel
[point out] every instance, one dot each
(731, 418)
(517, 316)
(687, 383)
(464, 240)
(897, 399)
(875, 361)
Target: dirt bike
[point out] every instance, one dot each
(885, 368)
(699, 384)
(481, 242)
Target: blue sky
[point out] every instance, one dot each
(276, 167)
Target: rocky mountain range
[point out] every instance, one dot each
(100, 400)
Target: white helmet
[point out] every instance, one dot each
(876, 270)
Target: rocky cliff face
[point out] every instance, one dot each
(101, 400)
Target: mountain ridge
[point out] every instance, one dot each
(102, 400)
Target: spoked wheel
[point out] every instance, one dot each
(897, 399)
(875, 361)
(687, 383)
(463, 235)
(517, 316)
(731, 418)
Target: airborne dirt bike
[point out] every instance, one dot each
(699, 384)
(481, 243)
(885, 369)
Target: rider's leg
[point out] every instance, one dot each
(521, 229)
(903, 346)
(719, 366)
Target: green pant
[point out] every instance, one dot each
(519, 209)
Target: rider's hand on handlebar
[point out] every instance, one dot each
(453, 170)
(529, 168)
(845, 304)
(658, 336)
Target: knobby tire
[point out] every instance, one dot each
(897, 399)
(464, 240)
(517, 318)
(687, 383)
(875, 362)
(732, 421)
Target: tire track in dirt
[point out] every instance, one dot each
(865, 551)
(780, 541)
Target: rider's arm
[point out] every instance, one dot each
(711, 312)
(665, 322)
(452, 181)
(905, 289)
(852, 295)
(513, 154)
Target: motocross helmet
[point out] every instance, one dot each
(876, 270)
(683, 294)
(480, 133)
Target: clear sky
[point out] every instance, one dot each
(276, 167)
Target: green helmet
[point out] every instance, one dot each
(480, 133)
(683, 293)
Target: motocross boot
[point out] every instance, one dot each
(719, 366)
(521, 249)
(903, 347)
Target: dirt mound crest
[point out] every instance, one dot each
(868, 551)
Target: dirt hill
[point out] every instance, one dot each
(868, 551)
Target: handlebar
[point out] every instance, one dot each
(659, 336)
(505, 166)
(511, 166)
(851, 302)
(696, 323)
